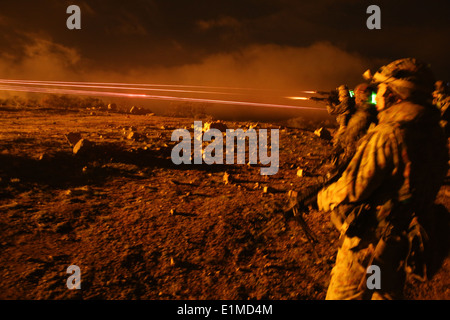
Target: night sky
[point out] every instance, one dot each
(276, 44)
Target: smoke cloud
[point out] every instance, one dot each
(274, 67)
(276, 71)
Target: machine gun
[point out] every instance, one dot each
(299, 203)
(329, 97)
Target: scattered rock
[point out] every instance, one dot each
(134, 136)
(44, 157)
(73, 138)
(82, 147)
(226, 178)
(78, 191)
(253, 126)
(112, 107)
(323, 133)
(215, 125)
(139, 111)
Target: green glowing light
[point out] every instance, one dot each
(373, 100)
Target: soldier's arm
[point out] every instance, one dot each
(331, 109)
(342, 107)
(372, 163)
(356, 127)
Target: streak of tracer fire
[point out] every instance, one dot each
(45, 83)
(143, 85)
(146, 96)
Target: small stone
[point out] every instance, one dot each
(82, 146)
(133, 136)
(73, 138)
(215, 125)
(226, 178)
(112, 107)
(323, 134)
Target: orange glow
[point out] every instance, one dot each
(298, 98)
(34, 89)
(99, 86)
(311, 92)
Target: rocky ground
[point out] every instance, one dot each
(140, 227)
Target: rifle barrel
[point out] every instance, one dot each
(318, 98)
(323, 93)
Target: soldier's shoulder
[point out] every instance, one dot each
(379, 134)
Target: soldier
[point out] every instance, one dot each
(342, 111)
(387, 189)
(441, 99)
(365, 114)
(440, 93)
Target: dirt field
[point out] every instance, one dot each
(140, 227)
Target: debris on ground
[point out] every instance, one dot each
(82, 147)
(323, 133)
(219, 125)
(73, 138)
(141, 227)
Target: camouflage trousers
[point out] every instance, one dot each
(348, 276)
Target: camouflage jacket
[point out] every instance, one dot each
(345, 107)
(358, 125)
(403, 159)
(442, 101)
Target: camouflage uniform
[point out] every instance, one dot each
(342, 111)
(441, 99)
(440, 93)
(365, 114)
(357, 126)
(386, 189)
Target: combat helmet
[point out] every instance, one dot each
(362, 92)
(406, 77)
(363, 88)
(343, 91)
